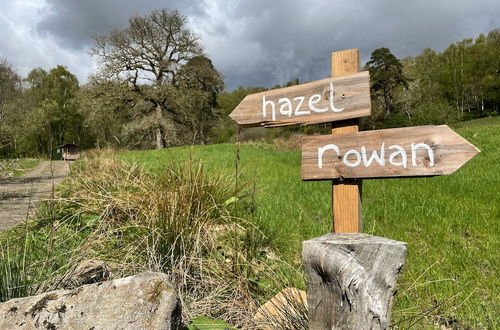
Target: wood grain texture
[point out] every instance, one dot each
(351, 280)
(345, 62)
(352, 93)
(347, 216)
(449, 152)
(346, 195)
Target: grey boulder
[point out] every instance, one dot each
(144, 301)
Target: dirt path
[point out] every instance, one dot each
(19, 196)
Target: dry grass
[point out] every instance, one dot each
(294, 142)
(181, 222)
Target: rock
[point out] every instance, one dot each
(144, 301)
(87, 272)
(286, 310)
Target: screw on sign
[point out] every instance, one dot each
(364, 267)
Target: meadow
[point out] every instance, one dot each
(227, 221)
(451, 277)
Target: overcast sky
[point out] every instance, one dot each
(252, 42)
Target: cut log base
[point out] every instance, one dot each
(351, 279)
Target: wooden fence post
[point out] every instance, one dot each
(346, 204)
(351, 279)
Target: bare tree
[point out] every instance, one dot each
(148, 55)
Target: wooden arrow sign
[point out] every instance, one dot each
(321, 101)
(397, 152)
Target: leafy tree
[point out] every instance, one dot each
(152, 49)
(199, 84)
(386, 74)
(10, 91)
(107, 106)
(51, 116)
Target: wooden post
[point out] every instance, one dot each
(351, 279)
(346, 205)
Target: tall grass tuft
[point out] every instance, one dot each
(181, 221)
(16, 280)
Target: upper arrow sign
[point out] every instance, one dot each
(321, 101)
(397, 152)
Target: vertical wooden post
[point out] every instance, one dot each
(347, 193)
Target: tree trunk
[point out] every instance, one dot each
(351, 278)
(202, 136)
(159, 137)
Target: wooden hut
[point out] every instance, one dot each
(68, 151)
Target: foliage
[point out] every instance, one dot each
(199, 84)
(458, 84)
(10, 89)
(153, 48)
(47, 114)
(386, 76)
(204, 323)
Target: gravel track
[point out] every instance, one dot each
(19, 196)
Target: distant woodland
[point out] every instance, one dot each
(155, 88)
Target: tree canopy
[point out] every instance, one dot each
(152, 49)
(386, 75)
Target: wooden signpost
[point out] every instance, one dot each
(316, 102)
(364, 268)
(346, 194)
(387, 153)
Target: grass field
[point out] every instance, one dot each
(451, 277)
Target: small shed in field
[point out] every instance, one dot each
(68, 151)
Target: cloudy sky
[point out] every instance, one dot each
(252, 42)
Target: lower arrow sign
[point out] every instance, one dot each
(398, 152)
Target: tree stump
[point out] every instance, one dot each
(351, 279)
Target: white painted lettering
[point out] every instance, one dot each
(286, 103)
(331, 100)
(398, 157)
(313, 100)
(379, 159)
(415, 146)
(264, 106)
(400, 152)
(298, 112)
(321, 151)
(346, 158)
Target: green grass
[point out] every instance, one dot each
(12, 168)
(450, 223)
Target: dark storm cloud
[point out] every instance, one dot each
(264, 42)
(295, 39)
(74, 22)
